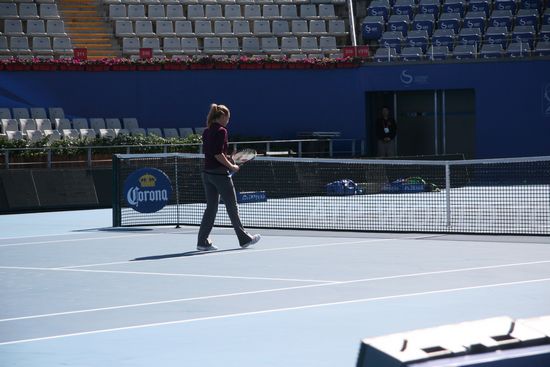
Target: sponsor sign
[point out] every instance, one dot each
(147, 190)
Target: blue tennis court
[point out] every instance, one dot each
(76, 292)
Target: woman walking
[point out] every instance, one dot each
(217, 181)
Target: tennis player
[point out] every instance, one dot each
(217, 180)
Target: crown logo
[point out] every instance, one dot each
(147, 180)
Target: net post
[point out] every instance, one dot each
(177, 192)
(448, 194)
(116, 189)
(330, 151)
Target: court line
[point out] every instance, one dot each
(270, 290)
(247, 251)
(79, 239)
(169, 274)
(275, 310)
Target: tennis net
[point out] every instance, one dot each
(497, 196)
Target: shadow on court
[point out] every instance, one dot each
(183, 254)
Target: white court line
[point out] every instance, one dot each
(273, 290)
(168, 274)
(274, 310)
(79, 239)
(247, 251)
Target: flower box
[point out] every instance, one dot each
(275, 65)
(123, 67)
(72, 67)
(323, 66)
(44, 67)
(254, 66)
(346, 65)
(97, 67)
(225, 66)
(175, 66)
(299, 65)
(18, 67)
(1, 66)
(201, 66)
(149, 67)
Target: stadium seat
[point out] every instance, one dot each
(270, 45)
(62, 46)
(222, 28)
(444, 37)
(429, 7)
(404, 7)
(251, 45)
(308, 11)
(289, 11)
(386, 55)
(542, 49)
(9, 125)
(475, 20)
(241, 28)
(130, 46)
(27, 124)
(62, 123)
(479, 6)
(465, 51)
(501, 18)
(34, 136)
(122, 132)
(424, 22)
(130, 123)
(300, 28)
(13, 27)
(28, 11)
(20, 45)
(38, 113)
(144, 28)
(164, 28)
(505, 5)
(398, 23)
(212, 46)
(80, 123)
(52, 135)
(379, 8)
(262, 28)
(175, 12)
(449, 21)
(525, 17)
(418, 39)
(124, 28)
(233, 12)
(154, 45)
(252, 12)
(230, 45)
(56, 112)
(118, 12)
(9, 11)
(15, 135)
(113, 123)
(136, 12)
(20, 113)
(49, 11)
(153, 131)
(42, 46)
(97, 123)
(525, 34)
(137, 132)
(337, 27)
(326, 11)
(309, 45)
(281, 28)
(531, 4)
(185, 131)
(189, 46)
(156, 12)
(412, 54)
(393, 40)
(170, 133)
(43, 124)
(5, 113)
(328, 45)
(271, 12)
(489, 51)
(455, 7)
(184, 28)
(172, 46)
(55, 28)
(108, 134)
(437, 53)
(496, 36)
(372, 27)
(289, 45)
(469, 36)
(203, 28)
(87, 134)
(214, 12)
(544, 34)
(36, 28)
(318, 27)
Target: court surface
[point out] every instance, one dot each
(75, 292)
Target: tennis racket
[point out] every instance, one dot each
(242, 157)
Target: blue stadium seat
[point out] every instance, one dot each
(404, 7)
(505, 5)
(469, 36)
(372, 27)
(527, 17)
(412, 54)
(525, 34)
(542, 49)
(516, 49)
(501, 18)
(531, 4)
(479, 5)
(462, 52)
(429, 7)
(496, 36)
(398, 23)
(379, 8)
(418, 39)
(438, 53)
(449, 21)
(475, 19)
(392, 40)
(424, 22)
(491, 51)
(386, 55)
(544, 34)
(444, 37)
(455, 6)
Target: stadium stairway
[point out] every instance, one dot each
(87, 28)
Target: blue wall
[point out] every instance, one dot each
(512, 98)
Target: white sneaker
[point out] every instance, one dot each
(254, 239)
(208, 247)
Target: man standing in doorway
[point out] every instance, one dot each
(386, 129)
